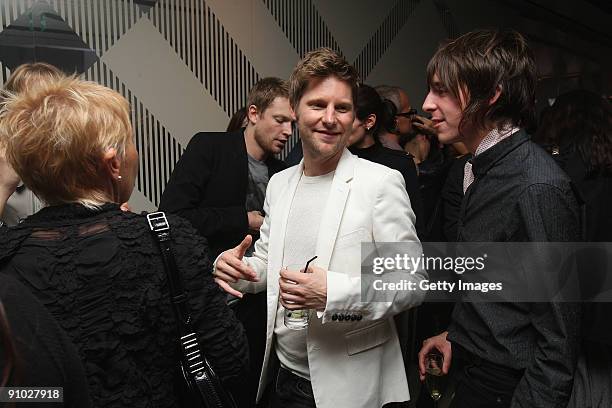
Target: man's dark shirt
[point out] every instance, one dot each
(520, 195)
(402, 162)
(208, 187)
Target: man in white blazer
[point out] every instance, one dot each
(349, 355)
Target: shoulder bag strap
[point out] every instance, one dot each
(199, 371)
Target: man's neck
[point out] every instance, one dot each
(367, 141)
(472, 142)
(390, 140)
(320, 166)
(253, 148)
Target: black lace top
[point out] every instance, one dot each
(100, 274)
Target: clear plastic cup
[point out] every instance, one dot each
(295, 319)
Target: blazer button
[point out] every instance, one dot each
(334, 317)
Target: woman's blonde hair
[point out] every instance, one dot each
(32, 74)
(56, 135)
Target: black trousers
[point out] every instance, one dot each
(480, 383)
(291, 391)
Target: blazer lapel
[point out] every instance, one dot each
(332, 215)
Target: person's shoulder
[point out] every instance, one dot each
(276, 165)
(140, 221)
(541, 168)
(366, 170)
(284, 174)
(215, 139)
(400, 154)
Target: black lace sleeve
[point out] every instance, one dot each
(221, 335)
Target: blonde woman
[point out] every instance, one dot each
(97, 268)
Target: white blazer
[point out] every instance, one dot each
(352, 363)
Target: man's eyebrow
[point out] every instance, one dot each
(284, 117)
(315, 100)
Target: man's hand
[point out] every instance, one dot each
(230, 268)
(255, 220)
(424, 125)
(440, 344)
(300, 290)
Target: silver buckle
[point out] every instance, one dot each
(158, 221)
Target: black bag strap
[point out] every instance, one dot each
(158, 223)
(198, 369)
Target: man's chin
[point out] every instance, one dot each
(449, 138)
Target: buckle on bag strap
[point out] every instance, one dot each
(159, 225)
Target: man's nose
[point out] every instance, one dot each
(329, 116)
(428, 104)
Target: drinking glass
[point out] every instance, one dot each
(297, 319)
(435, 378)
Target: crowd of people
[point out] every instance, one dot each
(85, 293)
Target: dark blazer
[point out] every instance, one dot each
(208, 187)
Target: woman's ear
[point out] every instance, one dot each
(112, 164)
(370, 121)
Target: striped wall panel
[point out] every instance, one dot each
(11, 9)
(384, 36)
(99, 23)
(158, 151)
(201, 41)
(446, 16)
(302, 24)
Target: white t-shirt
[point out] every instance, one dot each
(299, 246)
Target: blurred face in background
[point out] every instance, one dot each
(403, 120)
(272, 127)
(361, 136)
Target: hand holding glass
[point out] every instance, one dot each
(297, 319)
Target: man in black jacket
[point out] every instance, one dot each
(481, 92)
(219, 185)
(219, 182)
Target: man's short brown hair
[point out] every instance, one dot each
(264, 92)
(318, 64)
(475, 64)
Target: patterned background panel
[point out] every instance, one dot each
(186, 65)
